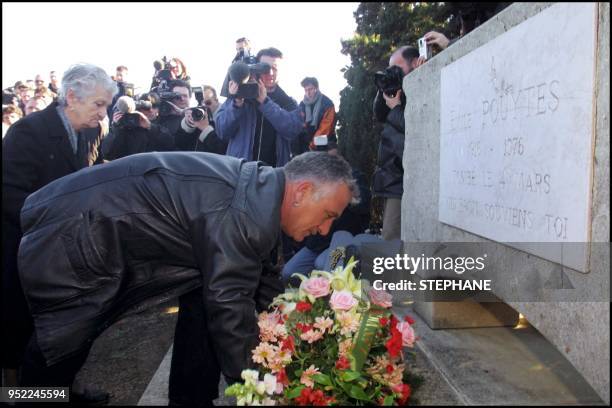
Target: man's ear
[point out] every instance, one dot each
(303, 190)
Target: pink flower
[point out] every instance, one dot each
(323, 323)
(307, 374)
(380, 298)
(349, 323)
(317, 287)
(311, 336)
(342, 300)
(407, 331)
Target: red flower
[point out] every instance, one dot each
(405, 391)
(389, 368)
(394, 344)
(304, 397)
(394, 321)
(308, 396)
(303, 327)
(281, 377)
(383, 321)
(303, 307)
(288, 344)
(409, 319)
(343, 363)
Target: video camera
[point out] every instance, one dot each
(239, 74)
(161, 86)
(390, 80)
(127, 105)
(246, 76)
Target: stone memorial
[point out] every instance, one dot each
(516, 135)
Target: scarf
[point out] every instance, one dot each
(313, 110)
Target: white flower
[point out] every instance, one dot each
(270, 382)
(250, 376)
(260, 387)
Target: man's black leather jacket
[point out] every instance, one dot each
(145, 228)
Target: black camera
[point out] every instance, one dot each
(129, 121)
(246, 76)
(390, 80)
(197, 114)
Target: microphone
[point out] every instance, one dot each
(239, 72)
(125, 104)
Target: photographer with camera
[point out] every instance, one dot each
(389, 105)
(197, 132)
(135, 130)
(124, 87)
(259, 120)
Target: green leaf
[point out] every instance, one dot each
(294, 393)
(322, 379)
(364, 338)
(388, 400)
(358, 393)
(349, 376)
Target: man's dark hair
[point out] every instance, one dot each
(242, 39)
(214, 91)
(409, 53)
(179, 82)
(270, 52)
(121, 68)
(310, 81)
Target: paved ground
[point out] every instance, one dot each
(128, 354)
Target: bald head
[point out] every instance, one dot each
(405, 57)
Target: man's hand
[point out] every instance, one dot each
(439, 39)
(392, 102)
(420, 61)
(233, 90)
(117, 116)
(200, 124)
(263, 93)
(143, 121)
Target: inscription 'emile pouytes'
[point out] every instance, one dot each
(521, 218)
(526, 102)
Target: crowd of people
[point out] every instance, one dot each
(91, 226)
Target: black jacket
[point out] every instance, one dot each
(139, 140)
(146, 228)
(192, 142)
(388, 179)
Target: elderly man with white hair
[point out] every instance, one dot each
(61, 139)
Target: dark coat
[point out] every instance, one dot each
(139, 140)
(388, 179)
(35, 151)
(146, 228)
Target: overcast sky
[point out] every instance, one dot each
(40, 37)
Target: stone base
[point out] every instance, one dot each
(466, 314)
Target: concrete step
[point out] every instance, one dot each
(502, 366)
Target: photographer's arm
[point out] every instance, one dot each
(380, 108)
(227, 120)
(288, 125)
